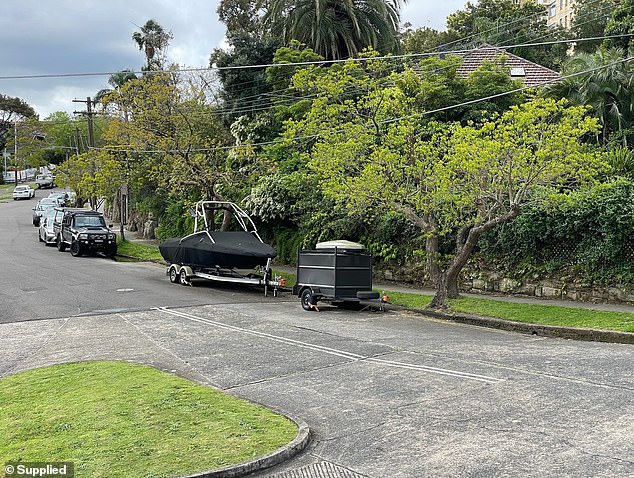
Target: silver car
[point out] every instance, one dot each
(46, 232)
(41, 206)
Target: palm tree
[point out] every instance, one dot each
(116, 80)
(339, 28)
(606, 83)
(153, 40)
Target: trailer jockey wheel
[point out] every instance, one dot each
(308, 301)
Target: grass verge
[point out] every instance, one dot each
(527, 313)
(140, 251)
(116, 419)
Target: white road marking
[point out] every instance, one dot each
(330, 351)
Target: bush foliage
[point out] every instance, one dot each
(589, 233)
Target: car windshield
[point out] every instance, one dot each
(49, 213)
(87, 221)
(21, 188)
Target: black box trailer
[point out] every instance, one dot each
(338, 272)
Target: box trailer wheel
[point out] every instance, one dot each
(308, 299)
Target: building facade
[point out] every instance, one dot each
(560, 12)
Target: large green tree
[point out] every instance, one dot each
(244, 91)
(377, 152)
(93, 176)
(242, 15)
(339, 28)
(589, 21)
(172, 145)
(425, 39)
(621, 25)
(12, 109)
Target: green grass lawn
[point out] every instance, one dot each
(116, 419)
(144, 252)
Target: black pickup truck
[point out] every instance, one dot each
(84, 230)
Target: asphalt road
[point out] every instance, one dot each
(386, 395)
(38, 281)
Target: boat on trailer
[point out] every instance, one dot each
(237, 254)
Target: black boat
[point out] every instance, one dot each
(207, 248)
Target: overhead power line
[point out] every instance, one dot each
(307, 63)
(393, 120)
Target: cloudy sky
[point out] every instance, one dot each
(68, 36)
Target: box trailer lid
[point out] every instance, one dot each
(341, 244)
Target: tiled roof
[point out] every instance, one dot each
(534, 74)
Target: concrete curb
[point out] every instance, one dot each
(267, 461)
(572, 333)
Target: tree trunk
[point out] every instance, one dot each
(466, 241)
(431, 250)
(226, 220)
(440, 297)
(447, 287)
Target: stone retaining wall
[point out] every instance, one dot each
(549, 289)
(493, 282)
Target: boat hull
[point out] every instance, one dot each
(225, 250)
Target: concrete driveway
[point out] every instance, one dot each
(385, 394)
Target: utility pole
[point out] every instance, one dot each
(91, 140)
(89, 115)
(15, 150)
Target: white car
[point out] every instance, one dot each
(23, 192)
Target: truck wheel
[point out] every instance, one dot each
(75, 249)
(111, 251)
(306, 300)
(174, 277)
(61, 247)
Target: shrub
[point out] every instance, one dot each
(588, 232)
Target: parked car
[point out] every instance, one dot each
(84, 230)
(45, 181)
(23, 192)
(46, 232)
(60, 197)
(41, 206)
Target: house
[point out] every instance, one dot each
(531, 74)
(560, 12)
